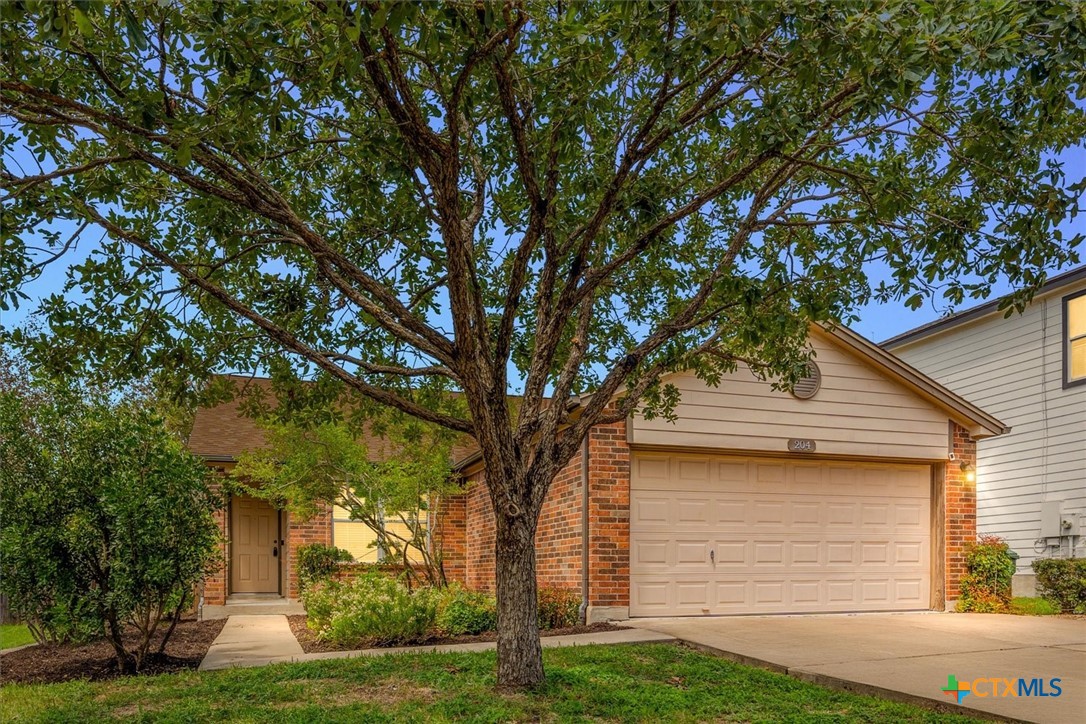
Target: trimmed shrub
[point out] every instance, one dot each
(1063, 582)
(319, 562)
(558, 608)
(461, 612)
(370, 610)
(986, 588)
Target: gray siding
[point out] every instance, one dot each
(1013, 369)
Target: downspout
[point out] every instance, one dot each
(584, 528)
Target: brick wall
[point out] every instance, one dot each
(448, 532)
(960, 523)
(479, 534)
(559, 535)
(300, 532)
(557, 540)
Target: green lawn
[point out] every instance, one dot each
(14, 634)
(1025, 606)
(649, 682)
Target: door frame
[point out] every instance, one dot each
(279, 528)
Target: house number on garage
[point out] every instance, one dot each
(801, 445)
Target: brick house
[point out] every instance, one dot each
(854, 493)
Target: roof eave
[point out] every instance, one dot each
(979, 423)
(945, 324)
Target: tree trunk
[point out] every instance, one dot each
(173, 622)
(520, 657)
(125, 663)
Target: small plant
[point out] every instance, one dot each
(370, 610)
(1027, 606)
(462, 612)
(1063, 582)
(986, 588)
(558, 608)
(319, 562)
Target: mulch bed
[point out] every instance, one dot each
(311, 645)
(49, 663)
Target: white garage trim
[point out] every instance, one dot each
(718, 534)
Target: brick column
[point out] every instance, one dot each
(300, 532)
(214, 586)
(960, 521)
(608, 523)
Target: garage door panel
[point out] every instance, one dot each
(693, 511)
(692, 552)
(805, 553)
(807, 513)
(731, 512)
(786, 536)
(650, 510)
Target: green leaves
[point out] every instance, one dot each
(761, 158)
(107, 518)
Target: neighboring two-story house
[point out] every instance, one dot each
(1029, 370)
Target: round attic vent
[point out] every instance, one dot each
(808, 386)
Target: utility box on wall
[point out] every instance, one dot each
(1072, 524)
(1052, 519)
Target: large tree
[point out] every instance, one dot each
(546, 198)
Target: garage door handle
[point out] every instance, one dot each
(712, 557)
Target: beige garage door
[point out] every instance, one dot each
(720, 535)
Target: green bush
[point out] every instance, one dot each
(1063, 582)
(558, 608)
(107, 519)
(370, 610)
(986, 588)
(318, 562)
(462, 612)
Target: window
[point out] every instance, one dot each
(361, 541)
(1074, 339)
(354, 536)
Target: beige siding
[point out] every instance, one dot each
(1013, 369)
(858, 411)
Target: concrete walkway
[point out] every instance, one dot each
(247, 641)
(253, 604)
(252, 641)
(909, 656)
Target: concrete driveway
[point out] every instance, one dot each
(910, 656)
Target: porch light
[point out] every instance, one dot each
(970, 472)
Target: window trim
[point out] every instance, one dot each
(1065, 342)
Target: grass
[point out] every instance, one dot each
(1026, 606)
(14, 634)
(648, 682)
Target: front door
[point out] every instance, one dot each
(254, 560)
